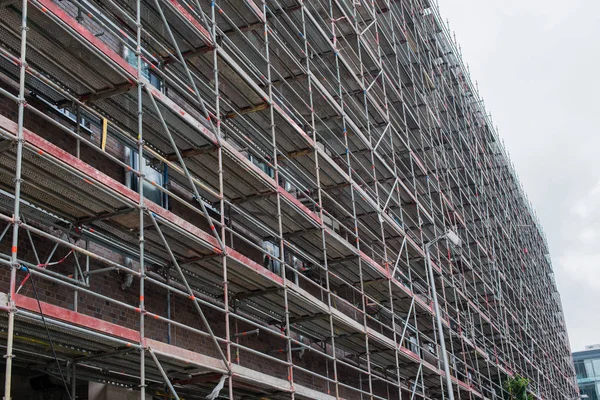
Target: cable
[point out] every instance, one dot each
(23, 268)
(44, 265)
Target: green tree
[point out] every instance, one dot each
(516, 389)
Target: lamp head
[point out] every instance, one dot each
(453, 238)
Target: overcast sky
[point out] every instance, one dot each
(537, 63)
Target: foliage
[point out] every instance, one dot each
(516, 389)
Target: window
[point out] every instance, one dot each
(151, 192)
(596, 365)
(262, 165)
(413, 345)
(288, 187)
(591, 391)
(73, 117)
(270, 258)
(297, 264)
(589, 368)
(131, 58)
(85, 123)
(398, 221)
(580, 370)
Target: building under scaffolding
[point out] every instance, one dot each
(240, 199)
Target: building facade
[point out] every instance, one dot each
(261, 199)
(587, 368)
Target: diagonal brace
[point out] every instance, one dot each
(398, 259)
(390, 195)
(186, 69)
(189, 290)
(412, 304)
(163, 373)
(419, 372)
(211, 223)
(4, 231)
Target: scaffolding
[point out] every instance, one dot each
(241, 199)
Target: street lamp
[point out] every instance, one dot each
(453, 238)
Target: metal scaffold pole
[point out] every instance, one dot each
(223, 221)
(16, 217)
(280, 257)
(141, 161)
(440, 328)
(313, 132)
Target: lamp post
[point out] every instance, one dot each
(455, 240)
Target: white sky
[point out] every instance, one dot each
(537, 63)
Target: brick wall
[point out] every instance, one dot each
(110, 284)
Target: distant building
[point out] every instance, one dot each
(587, 367)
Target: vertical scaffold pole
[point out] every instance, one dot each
(290, 375)
(142, 207)
(351, 174)
(320, 207)
(223, 232)
(16, 210)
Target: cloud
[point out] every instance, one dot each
(585, 207)
(588, 236)
(581, 268)
(536, 67)
(580, 260)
